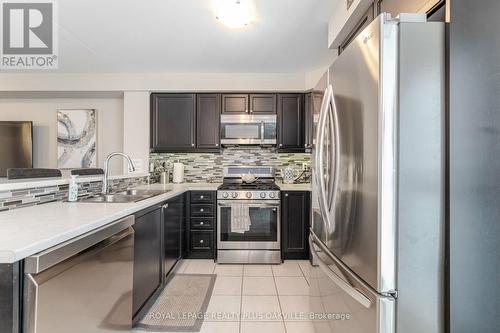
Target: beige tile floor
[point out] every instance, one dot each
(255, 298)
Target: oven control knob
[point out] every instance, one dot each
(225, 195)
(235, 195)
(249, 195)
(272, 195)
(263, 195)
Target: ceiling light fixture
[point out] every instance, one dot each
(235, 14)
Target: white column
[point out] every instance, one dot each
(136, 128)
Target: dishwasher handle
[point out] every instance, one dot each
(46, 259)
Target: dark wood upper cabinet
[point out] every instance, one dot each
(263, 103)
(208, 108)
(249, 103)
(308, 120)
(291, 123)
(295, 217)
(173, 122)
(235, 103)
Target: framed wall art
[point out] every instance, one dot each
(76, 138)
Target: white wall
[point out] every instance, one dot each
(150, 82)
(313, 77)
(136, 127)
(123, 121)
(43, 111)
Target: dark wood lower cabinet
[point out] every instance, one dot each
(147, 257)
(173, 230)
(295, 222)
(202, 225)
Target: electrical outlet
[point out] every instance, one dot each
(305, 166)
(138, 165)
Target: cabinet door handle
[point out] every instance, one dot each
(201, 241)
(246, 111)
(201, 223)
(202, 210)
(216, 145)
(251, 111)
(165, 206)
(286, 195)
(281, 145)
(201, 197)
(192, 145)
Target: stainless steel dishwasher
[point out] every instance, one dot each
(82, 285)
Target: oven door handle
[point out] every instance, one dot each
(275, 205)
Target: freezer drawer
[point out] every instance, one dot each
(341, 302)
(84, 285)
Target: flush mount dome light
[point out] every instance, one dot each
(234, 14)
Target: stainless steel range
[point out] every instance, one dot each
(248, 219)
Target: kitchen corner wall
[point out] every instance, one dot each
(43, 112)
(200, 167)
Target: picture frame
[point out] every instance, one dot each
(77, 138)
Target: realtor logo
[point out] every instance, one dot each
(29, 39)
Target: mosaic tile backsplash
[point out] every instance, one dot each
(200, 167)
(40, 195)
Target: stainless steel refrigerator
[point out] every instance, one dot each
(377, 238)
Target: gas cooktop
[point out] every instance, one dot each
(249, 187)
(233, 187)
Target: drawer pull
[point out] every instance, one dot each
(201, 196)
(201, 241)
(202, 210)
(201, 223)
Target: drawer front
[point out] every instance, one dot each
(202, 223)
(201, 240)
(201, 210)
(202, 197)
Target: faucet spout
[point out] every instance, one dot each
(131, 168)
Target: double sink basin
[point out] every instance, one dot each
(132, 195)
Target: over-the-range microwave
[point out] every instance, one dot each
(248, 130)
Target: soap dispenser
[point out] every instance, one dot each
(73, 189)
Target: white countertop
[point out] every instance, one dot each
(19, 184)
(294, 187)
(26, 231)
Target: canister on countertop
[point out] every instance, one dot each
(178, 176)
(165, 177)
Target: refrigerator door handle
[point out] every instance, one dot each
(319, 159)
(346, 287)
(327, 119)
(334, 154)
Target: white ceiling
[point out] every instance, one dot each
(182, 36)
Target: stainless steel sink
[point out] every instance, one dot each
(123, 196)
(142, 192)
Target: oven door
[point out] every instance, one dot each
(248, 130)
(264, 230)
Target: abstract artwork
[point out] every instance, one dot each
(76, 139)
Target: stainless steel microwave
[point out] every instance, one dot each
(248, 130)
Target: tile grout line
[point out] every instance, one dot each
(304, 275)
(241, 298)
(279, 301)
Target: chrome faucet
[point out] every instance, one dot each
(131, 168)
